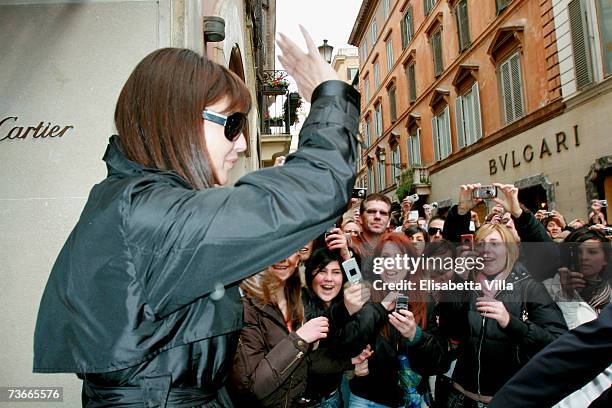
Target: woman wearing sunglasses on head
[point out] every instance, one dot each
(143, 299)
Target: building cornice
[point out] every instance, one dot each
(361, 21)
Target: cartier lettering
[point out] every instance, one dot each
(545, 148)
(10, 131)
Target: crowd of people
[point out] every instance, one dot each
(449, 348)
(172, 291)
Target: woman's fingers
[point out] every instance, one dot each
(312, 48)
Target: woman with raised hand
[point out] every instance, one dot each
(143, 299)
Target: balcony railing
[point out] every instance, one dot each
(278, 106)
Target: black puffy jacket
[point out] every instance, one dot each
(487, 355)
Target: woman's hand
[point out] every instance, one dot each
(404, 322)
(361, 369)
(495, 310)
(337, 240)
(314, 330)
(571, 281)
(308, 70)
(508, 199)
(466, 201)
(355, 296)
(363, 356)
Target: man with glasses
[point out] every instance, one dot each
(374, 213)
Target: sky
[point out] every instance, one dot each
(332, 20)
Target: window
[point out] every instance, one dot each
(368, 131)
(441, 135)
(376, 75)
(501, 5)
(436, 49)
(370, 180)
(407, 27)
(392, 104)
(414, 148)
(386, 8)
(378, 126)
(382, 182)
(366, 90)
(395, 163)
(364, 50)
(583, 67)
(350, 73)
(428, 5)
(411, 75)
(511, 88)
(374, 32)
(605, 30)
(463, 27)
(389, 55)
(467, 117)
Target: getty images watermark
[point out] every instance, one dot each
(410, 265)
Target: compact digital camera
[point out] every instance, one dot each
(485, 192)
(413, 198)
(359, 192)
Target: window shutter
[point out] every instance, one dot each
(506, 85)
(436, 42)
(434, 136)
(449, 145)
(426, 6)
(410, 24)
(464, 30)
(412, 83)
(502, 4)
(403, 29)
(515, 69)
(477, 115)
(392, 105)
(418, 147)
(580, 43)
(459, 122)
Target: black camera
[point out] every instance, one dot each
(359, 192)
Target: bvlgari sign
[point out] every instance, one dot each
(10, 131)
(545, 148)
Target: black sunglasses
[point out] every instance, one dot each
(233, 124)
(433, 231)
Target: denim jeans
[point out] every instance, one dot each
(358, 402)
(335, 401)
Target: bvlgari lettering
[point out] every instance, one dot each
(562, 142)
(41, 131)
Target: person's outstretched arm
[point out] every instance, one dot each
(564, 366)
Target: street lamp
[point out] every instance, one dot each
(326, 51)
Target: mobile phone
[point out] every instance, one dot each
(413, 216)
(570, 256)
(603, 203)
(359, 192)
(485, 192)
(401, 303)
(467, 240)
(329, 232)
(352, 271)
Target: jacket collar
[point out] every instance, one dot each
(270, 310)
(119, 165)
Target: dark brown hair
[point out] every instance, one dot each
(374, 197)
(159, 111)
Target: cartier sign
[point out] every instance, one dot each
(529, 152)
(43, 130)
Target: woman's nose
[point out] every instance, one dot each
(240, 144)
